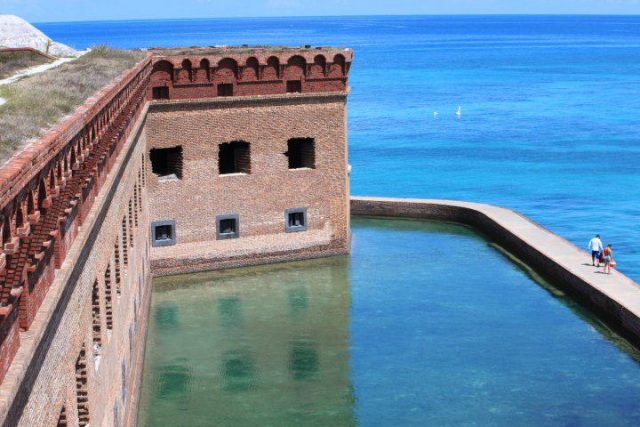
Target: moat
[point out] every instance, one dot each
(424, 324)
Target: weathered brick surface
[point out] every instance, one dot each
(260, 197)
(74, 266)
(250, 71)
(43, 374)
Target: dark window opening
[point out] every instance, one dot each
(225, 89)
(227, 226)
(295, 220)
(301, 153)
(167, 162)
(234, 157)
(160, 92)
(294, 86)
(163, 233)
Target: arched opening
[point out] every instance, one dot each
(42, 193)
(296, 67)
(19, 217)
(187, 72)
(251, 70)
(73, 157)
(205, 69)
(339, 64)
(318, 69)
(6, 230)
(30, 204)
(272, 70)
(227, 69)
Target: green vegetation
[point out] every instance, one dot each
(230, 50)
(38, 102)
(12, 62)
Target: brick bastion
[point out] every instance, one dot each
(615, 298)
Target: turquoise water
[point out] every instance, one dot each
(551, 107)
(424, 325)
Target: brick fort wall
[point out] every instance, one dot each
(259, 197)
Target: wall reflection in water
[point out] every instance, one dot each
(258, 346)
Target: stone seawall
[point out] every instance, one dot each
(615, 298)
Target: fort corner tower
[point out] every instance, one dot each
(248, 155)
(190, 159)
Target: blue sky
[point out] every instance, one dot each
(79, 10)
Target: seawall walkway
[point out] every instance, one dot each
(615, 297)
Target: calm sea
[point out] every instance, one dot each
(550, 107)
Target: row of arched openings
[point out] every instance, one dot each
(37, 196)
(250, 70)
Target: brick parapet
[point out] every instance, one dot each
(61, 323)
(199, 72)
(24, 165)
(46, 191)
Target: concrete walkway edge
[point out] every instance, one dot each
(615, 297)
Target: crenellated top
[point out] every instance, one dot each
(211, 72)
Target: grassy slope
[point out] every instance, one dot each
(12, 62)
(38, 102)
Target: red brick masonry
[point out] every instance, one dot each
(47, 193)
(208, 73)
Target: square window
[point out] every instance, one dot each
(295, 220)
(234, 157)
(227, 226)
(167, 162)
(160, 92)
(225, 89)
(294, 86)
(301, 153)
(163, 233)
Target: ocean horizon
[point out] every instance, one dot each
(550, 107)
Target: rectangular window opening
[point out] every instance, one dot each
(160, 92)
(234, 157)
(295, 220)
(167, 162)
(163, 233)
(225, 89)
(227, 226)
(294, 86)
(301, 153)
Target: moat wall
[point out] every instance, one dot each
(615, 298)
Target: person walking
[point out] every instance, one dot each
(608, 259)
(595, 246)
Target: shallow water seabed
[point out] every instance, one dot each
(425, 323)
